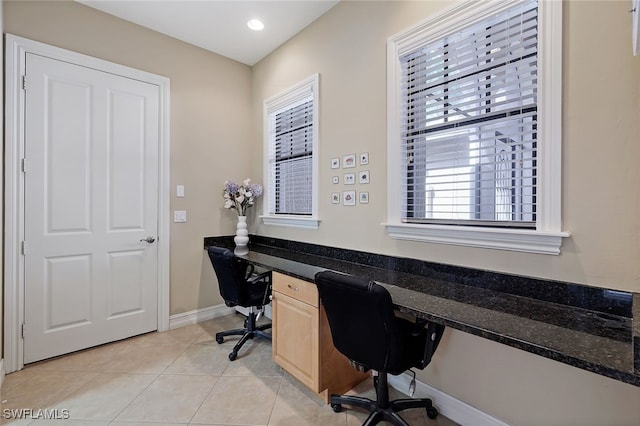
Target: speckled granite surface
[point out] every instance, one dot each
(636, 332)
(586, 327)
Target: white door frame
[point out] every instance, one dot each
(16, 50)
(1, 171)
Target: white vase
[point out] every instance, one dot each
(242, 236)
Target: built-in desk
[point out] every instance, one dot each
(586, 327)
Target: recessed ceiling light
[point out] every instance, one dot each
(255, 24)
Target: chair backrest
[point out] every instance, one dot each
(231, 272)
(361, 317)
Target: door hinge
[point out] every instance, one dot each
(24, 247)
(24, 82)
(22, 331)
(24, 165)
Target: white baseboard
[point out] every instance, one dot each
(198, 315)
(450, 407)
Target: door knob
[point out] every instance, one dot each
(149, 239)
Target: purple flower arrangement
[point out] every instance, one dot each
(240, 197)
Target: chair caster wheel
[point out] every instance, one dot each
(432, 412)
(336, 408)
(219, 339)
(233, 356)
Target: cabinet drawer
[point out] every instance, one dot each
(298, 289)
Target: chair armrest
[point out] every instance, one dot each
(434, 334)
(248, 273)
(264, 277)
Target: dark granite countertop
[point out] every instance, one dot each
(592, 332)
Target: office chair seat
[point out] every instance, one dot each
(239, 286)
(366, 330)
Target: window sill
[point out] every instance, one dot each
(292, 222)
(528, 241)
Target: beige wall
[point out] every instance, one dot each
(209, 143)
(601, 131)
(601, 111)
(210, 98)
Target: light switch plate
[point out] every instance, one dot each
(179, 216)
(180, 191)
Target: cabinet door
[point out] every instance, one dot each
(295, 339)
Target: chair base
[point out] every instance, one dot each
(249, 332)
(383, 409)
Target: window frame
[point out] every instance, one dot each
(274, 104)
(547, 236)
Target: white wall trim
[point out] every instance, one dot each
(15, 53)
(198, 315)
(523, 240)
(1, 372)
(309, 87)
(292, 221)
(450, 407)
(1, 176)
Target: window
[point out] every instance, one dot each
(474, 127)
(291, 136)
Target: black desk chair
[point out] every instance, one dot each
(366, 330)
(239, 286)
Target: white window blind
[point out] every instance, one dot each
(469, 123)
(291, 159)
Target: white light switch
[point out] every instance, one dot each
(180, 191)
(179, 216)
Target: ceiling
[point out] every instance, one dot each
(221, 25)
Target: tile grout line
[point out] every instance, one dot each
(197, 410)
(275, 400)
(133, 399)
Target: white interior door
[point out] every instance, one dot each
(91, 207)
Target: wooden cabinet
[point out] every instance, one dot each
(302, 342)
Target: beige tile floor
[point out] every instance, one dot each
(177, 377)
